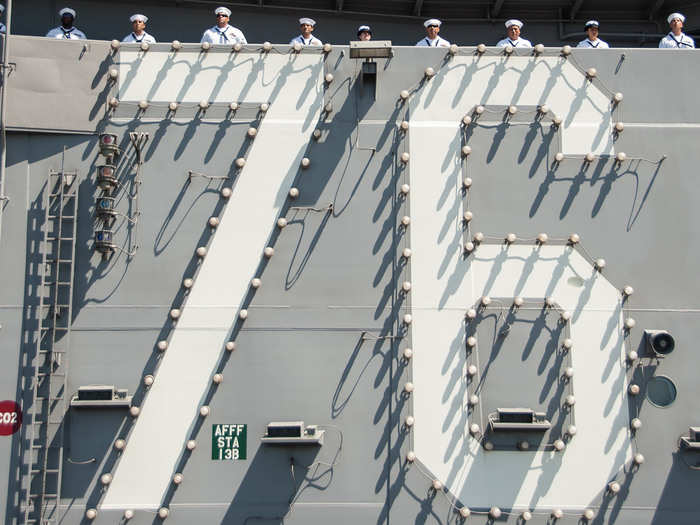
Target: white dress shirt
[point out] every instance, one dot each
(672, 41)
(143, 37)
(590, 44)
(227, 35)
(66, 34)
(311, 41)
(438, 41)
(520, 42)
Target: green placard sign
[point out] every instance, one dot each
(229, 441)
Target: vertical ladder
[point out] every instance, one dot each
(48, 408)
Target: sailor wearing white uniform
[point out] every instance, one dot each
(222, 33)
(591, 29)
(364, 33)
(432, 28)
(307, 26)
(2, 26)
(513, 39)
(138, 22)
(66, 31)
(676, 39)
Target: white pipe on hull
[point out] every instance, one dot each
(3, 111)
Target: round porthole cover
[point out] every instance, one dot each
(661, 391)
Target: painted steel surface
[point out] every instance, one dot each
(325, 335)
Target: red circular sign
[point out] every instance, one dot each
(10, 418)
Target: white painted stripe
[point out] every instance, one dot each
(681, 125)
(467, 81)
(184, 376)
(444, 287)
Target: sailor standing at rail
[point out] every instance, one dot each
(222, 33)
(364, 33)
(138, 35)
(432, 28)
(2, 26)
(66, 31)
(307, 26)
(676, 39)
(592, 42)
(513, 39)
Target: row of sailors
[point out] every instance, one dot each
(223, 33)
(675, 39)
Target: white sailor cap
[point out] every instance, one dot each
(222, 11)
(138, 17)
(591, 23)
(364, 28)
(513, 22)
(675, 15)
(2, 8)
(66, 11)
(432, 22)
(309, 21)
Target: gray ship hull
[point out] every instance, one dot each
(403, 360)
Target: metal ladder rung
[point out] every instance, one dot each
(50, 447)
(34, 495)
(48, 412)
(47, 471)
(39, 423)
